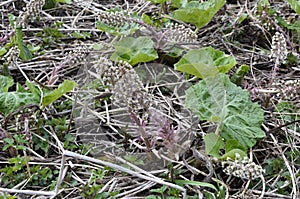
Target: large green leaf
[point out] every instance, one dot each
(5, 83)
(205, 62)
(218, 100)
(62, 89)
(10, 101)
(198, 13)
(295, 4)
(134, 50)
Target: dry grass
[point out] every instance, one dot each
(104, 127)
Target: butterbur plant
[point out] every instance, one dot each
(216, 99)
(147, 123)
(118, 23)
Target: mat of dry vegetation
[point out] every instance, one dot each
(124, 130)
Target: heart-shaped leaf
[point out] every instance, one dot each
(218, 100)
(134, 50)
(198, 13)
(205, 62)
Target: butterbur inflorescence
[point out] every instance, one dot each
(278, 49)
(118, 22)
(129, 91)
(123, 81)
(242, 168)
(110, 72)
(32, 9)
(179, 33)
(112, 19)
(76, 56)
(288, 89)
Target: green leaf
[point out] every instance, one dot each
(33, 89)
(64, 1)
(243, 17)
(126, 29)
(178, 3)
(97, 46)
(290, 26)
(218, 100)
(205, 62)
(196, 183)
(53, 32)
(158, 1)
(134, 50)
(134, 159)
(152, 197)
(2, 51)
(33, 49)
(198, 13)
(147, 19)
(174, 52)
(5, 83)
(233, 144)
(20, 89)
(159, 190)
(12, 19)
(239, 75)
(25, 54)
(295, 5)
(49, 4)
(262, 4)
(232, 154)
(81, 35)
(213, 144)
(11, 101)
(287, 112)
(62, 89)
